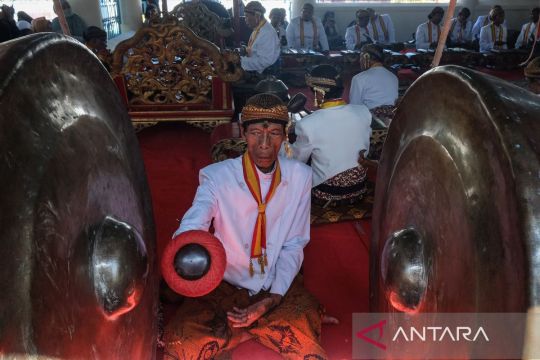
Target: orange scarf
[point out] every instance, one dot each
(430, 32)
(358, 40)
(258, 240)
(383, 27)
(494, 34)
(254, 35)
(315, 35)
(332, 103)
(527, 32)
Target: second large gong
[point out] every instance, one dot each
(457, 205)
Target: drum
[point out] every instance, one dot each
(78, 275)
(457, 203)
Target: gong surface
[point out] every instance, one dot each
(456, 224)
(78, 272)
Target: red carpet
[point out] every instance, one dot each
(336, 260)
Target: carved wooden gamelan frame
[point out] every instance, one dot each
(167, 73)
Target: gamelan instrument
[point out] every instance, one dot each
(78, 275)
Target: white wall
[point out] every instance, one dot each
(89, 10)
(407, 17)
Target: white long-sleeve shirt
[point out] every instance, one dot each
(374, 87)
(351, 36)
(264, 51)
(487, 40)
(482, 21)
(377, 32)
(293, 34)
(333, 138)
(423, 40)
(460, 34)
(224, 196)
(527, 33)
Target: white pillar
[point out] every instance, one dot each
(89, 10)
(131, 13)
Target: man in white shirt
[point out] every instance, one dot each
(461, 29)
(277, 23)
(482, 21)
(427, 34)
(375, 86)
(358, 35)
(307, 32)
(263, 46)
(259, 205)
(381, 27)
(332, 138)
(493, 36)
(528, 31)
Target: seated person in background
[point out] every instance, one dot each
(307, 32)
(8, 26)
(75, 23)
(284, 17)
(263, 46)
(493, 36)
(259, 204)
(277, 23)
(96, 40)
(532, 73)
(358, 35)
(381, 27)
(427, 34)
(528, 31)
(461, 29)
(375, 87)
(482, 21)
(41, 24)
(333, 137)
(24, 23)
(335, 41)
(25, 28)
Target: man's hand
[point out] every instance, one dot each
(245, 317)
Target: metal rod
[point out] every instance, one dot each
(444, 34)
(62, 17)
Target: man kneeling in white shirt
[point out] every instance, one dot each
(428, 33)
(375, 87)
(259, 205)
(263, 47)
(493, 36)
(333, 138)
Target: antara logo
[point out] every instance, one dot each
(362, 334)
(439, 333)
(425, 333)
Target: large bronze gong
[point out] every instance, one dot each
(77, 241)
(456, 224)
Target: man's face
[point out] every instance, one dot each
(534, 16)
(436, 18)
(307, 12)
(462, 17)
(498, 18)
(362, 18)
(252, 19)
(263, 143)
(372, 14)
(275, 19)
(98, 43)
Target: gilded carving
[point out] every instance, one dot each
(166, 63)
